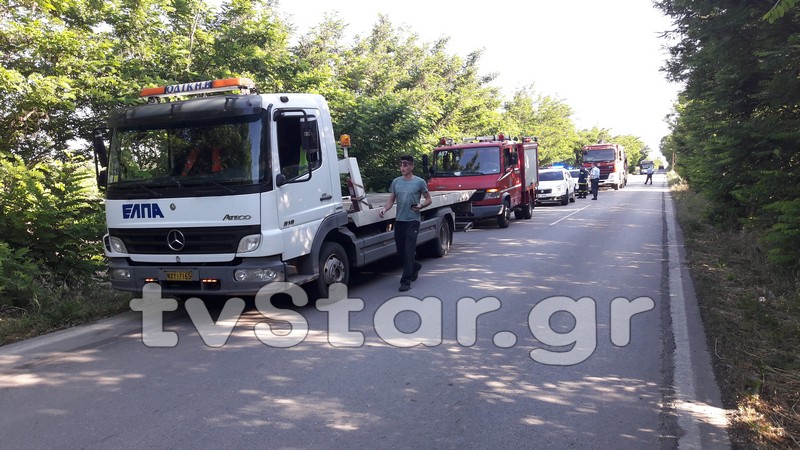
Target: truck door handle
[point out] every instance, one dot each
(325, 197)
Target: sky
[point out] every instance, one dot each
(601, 58)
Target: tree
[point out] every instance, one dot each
(54, 71)
(549, 119)
(398, 95)
(735, 136)
(778, 10)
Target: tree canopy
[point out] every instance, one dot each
(737, 125)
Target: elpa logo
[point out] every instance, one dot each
(141, 211)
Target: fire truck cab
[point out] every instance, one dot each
(611, 160)
(503, 173)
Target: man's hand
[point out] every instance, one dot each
(421, 206)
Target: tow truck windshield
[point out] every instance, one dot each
(215, 154)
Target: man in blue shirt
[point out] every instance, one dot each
(407, 189)
(594, 178)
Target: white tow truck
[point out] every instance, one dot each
(227, 191)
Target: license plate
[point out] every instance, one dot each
(179, 276)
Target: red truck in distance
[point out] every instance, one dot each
(504, 174)
(611, 160)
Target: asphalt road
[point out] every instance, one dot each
(576, 329)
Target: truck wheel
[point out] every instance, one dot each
(616, 187)
(505, 217)
(440, 245)
(334, 267)
(529, 210)
(526, 211)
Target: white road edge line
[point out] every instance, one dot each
(690, 411)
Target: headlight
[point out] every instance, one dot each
(121, 274)
(249, 243)
(115, 244)
(493, 193)
(255, 275)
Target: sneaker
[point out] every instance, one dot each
(415, 273)
(404, 287)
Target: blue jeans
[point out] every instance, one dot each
(405, 237)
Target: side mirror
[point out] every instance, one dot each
(102, 178)
(280, 180)
(99, 145)
(100, 157)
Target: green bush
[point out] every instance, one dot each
(51, 225)
(17, 274)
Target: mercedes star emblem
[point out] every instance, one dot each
(176, 240)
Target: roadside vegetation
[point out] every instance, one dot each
(734, 145)
(51, 263)
(751, 314)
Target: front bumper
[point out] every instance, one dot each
(481, 212)
(205, 279)
(549, 197)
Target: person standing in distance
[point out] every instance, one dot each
(407, 189)
(649, 175)
(594, 177)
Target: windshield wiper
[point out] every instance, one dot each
(140, 184)
(225, 188)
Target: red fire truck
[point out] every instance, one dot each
(504, 174)
(611, 160)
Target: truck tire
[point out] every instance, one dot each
(334, 267)
(616, 187)
(527, 213)
(505, 216)
(524, 212)
(440, 245)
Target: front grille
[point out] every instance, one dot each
(478, 195)
(544, 191)
(153, 241)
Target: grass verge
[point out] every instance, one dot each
(751, 315)
(60, 308)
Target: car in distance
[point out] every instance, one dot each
(555, 186)
(575, 174)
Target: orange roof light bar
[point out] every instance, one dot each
(198, 87)
(152, 92)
